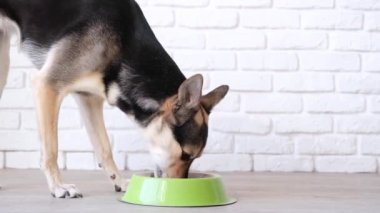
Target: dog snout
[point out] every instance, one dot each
(179, 170)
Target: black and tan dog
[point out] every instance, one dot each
(105, 50)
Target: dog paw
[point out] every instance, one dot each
(121, 186)
(66, 191)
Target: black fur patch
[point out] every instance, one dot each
(191, 133)
(142, 69)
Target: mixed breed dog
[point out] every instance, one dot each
(100, 50)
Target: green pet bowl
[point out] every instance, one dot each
(196, 191)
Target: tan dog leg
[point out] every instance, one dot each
(92, 111)
(48, 101)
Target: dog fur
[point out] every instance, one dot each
(101, 50)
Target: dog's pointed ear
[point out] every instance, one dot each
(210, 100)
(189, 99)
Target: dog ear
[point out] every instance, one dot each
(189, 98)
(210, 100)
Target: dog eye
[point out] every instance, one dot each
(185, 156)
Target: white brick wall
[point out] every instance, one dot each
(305, 89)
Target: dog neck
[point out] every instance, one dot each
(140, 85)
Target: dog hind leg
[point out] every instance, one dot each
(91, 108)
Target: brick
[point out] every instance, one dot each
(218, 142)
(334, 103)
(22, 160)
(205, 60)
(243, 3)
(180, 3)
(116, 119)
(137, 162)
(267, 19)
(9, 120)
(359, 124)
(371, 62)
(2, 160)
(243, 39)
(159, 17)
(223, 163)
(374, 104)
(242, 81)
(230, 103)
(303, 124)
(74, 141)
(68, 119)
(272, 103)
(27, 160)
(278, 61)
(240, 123)
(359, 4)
(263, 145)
(305, 82)
(301, 4)
(324, 61)
(370, 145)
(358, 83)
(15, 79)
(332, 20)
(267, 163)
(326, 145)
(207, 19)
(80, 161)
(345, 164)
(24, 99)
(19, 140)
(174, 38)
(355, 41)
(120, 159)
(372, 21)
(130, 142)
(290, 40)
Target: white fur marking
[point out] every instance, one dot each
(113, 94)
(148, 103)
(91, 83)
(163, 145)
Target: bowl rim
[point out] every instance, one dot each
(205, 176)
(230, 201)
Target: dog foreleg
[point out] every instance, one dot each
(48, 101)
(92, 112)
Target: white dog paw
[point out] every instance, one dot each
(66, 191)
(122, 185)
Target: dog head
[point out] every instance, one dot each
(178, 134)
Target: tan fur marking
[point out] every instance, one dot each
(205, 115)
(167, 109)
(193, 151)
(198, 117)
(48, 102)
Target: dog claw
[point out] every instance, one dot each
(117, 188)
(77, 196)
(64, 195)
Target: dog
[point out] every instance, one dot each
(102, 50)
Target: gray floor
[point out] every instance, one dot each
(26, 191)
